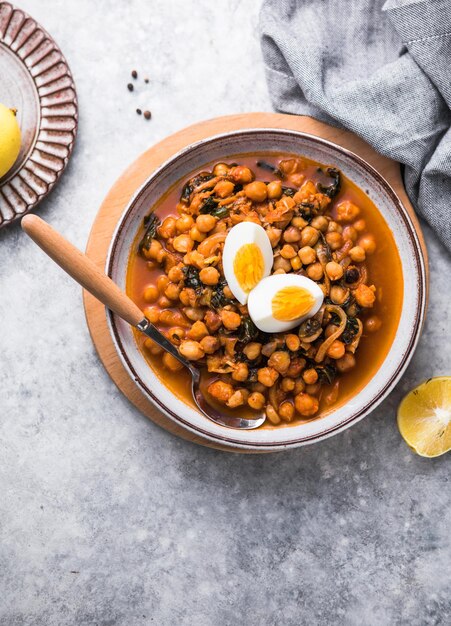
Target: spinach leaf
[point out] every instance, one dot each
(218, 299)
(190, 185)
(211, 207)
(248, 330)
(151, 223)
(334, 187)
(350, 331)
(191, 277)
(326, 374)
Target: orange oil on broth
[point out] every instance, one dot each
(384, 270)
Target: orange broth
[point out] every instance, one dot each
(384, 270)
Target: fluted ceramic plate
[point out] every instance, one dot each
(36, 80)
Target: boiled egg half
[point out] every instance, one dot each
(246, 259)
(282, 301)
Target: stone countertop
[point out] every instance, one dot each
(105, 518)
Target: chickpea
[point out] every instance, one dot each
(336, 349)
(238, 398)
(241, 174)
(241, 373)
(191, 350)
(153, 250)
(184, 223)
(334, 270)
(152, 347)
(150, 293)
(176, 334)
(256, 191)
(213, 321)
(280, 361)
(209, 276)
(287, 384)
(209, 344)
(228, 292)
(256, 400)
(221, 169)
(307, 255)
(220, 390)
(152, 313)
(274, 235)
(288, 252)
(372, 324)
(271, 414)
(299, 386)
(164, 302)
(309, 236)
(252, 350)
(338, 295)
(296, 366)
(296, 263)
(320, 223)
(171, 362)
(205, 223)
(281, 264)
(175, 274)
(286, 411)
(334, 227)
(183, 243)
(364, 296)
(198, 331)
(270, 347)
(346, 363)
(305, 404)
(172, 291)
(279, 271)
(360, 225)
(188, 296)
(347, 211)
(310, 376)
(172, 318)
(267, 376)
(292, 342)
(329, 330)
(368, 243)
(230, 319)
(274, 189)
(167, 228)
(357, 254)
(193, 313)
(299, 222)
(350, 233)
(315, 271)
(196, 235)
(334, 239)
(162, 283)
(224, 188)
(292, 234)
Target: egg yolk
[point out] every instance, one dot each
(249, 266)
(291, 302)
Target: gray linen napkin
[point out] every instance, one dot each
(381, 70)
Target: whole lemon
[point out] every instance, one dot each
(9, 139)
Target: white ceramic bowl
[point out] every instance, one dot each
(218, 148)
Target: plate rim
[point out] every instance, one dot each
(13, 184)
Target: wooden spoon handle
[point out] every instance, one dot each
(81, 268)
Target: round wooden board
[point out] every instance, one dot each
(120, 194)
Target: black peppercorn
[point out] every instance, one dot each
(147, 115)
(130, 87)
(134, 74)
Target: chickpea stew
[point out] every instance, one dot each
(321, 226)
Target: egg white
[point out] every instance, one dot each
(260, 301)
(238, 236)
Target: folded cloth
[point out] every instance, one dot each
(380, 70)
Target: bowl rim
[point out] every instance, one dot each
(404, 358)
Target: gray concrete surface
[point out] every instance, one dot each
(107, 520)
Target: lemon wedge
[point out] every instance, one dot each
(424, 417)
(9, 139)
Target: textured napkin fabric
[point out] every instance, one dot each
(380, 70)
